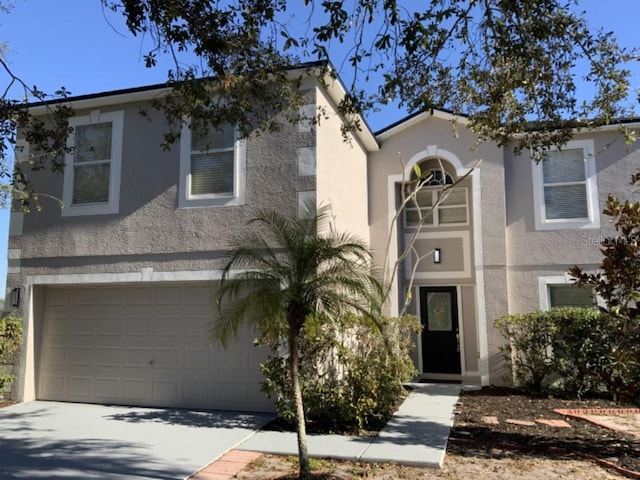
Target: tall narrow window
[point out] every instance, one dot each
(92, 172)
(565, 189)
(211, 167)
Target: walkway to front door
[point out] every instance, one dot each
(440, 333)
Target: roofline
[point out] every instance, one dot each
(337, 91)
(334, 87)
(418, 117)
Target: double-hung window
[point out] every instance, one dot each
(565, 188)
(93, 164)
(212, 163)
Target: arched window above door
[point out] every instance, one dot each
(438, 202)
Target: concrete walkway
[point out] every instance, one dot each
(417, 433)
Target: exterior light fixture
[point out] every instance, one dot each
(436, 255)
(14, 297)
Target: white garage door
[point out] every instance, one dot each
(144, 345)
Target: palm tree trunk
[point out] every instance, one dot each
(303, 454)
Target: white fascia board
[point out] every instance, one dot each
(333, 86)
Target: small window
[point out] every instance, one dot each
(567, 295)
(212, 167)
(565, 190)
(92, 172)
(451, 207)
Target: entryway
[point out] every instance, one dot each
(440, 333)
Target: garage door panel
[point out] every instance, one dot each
(53, 386)
(108, 356)
(81, 356)
(167, 326)
(107, 325)
(144, 345)
(138, 357)
(170, 296)
(80, 386)
(107, 388)
(139, 325)
(136, 389)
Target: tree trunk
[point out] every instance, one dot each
(303, 454)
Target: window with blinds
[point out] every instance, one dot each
(565, 185)
(212, 162)
(565, 190)
(570, 296)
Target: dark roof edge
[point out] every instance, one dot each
(413, 115)
(148, 88)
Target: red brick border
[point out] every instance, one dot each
(581, 414)
(226, 466)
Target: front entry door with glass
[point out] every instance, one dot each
(440, 333)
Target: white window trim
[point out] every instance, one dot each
(112, 206)
(435, 212)
(543, 289)
(186, 200)
(593, 220)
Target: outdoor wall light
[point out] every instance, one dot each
(436, 255)
(14, 298)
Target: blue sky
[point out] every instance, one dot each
(76, 44)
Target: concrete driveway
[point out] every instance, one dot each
(71, 440)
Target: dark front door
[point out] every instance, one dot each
(440, 334)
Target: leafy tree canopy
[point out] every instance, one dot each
(506, 64)
(503, 63)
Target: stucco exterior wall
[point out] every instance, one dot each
(341, 179)
(533, 254)
(150, 231)
(430, 137)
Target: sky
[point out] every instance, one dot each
(75, 44)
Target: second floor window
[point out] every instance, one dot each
(437, 203)
(92, 172)
(565, 189)
(212, 167)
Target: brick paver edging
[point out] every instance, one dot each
(583, 414)
(596, 411)
(226, 466)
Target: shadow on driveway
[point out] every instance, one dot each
(81, 441)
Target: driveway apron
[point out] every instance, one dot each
(70, 441)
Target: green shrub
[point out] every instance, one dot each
(10, 339)
(528, 354)
(352, 376)
(579, 348)
(585, 350)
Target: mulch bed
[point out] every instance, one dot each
(471, 434)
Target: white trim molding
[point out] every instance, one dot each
(187, 200)
(466, 256)
(593, 211)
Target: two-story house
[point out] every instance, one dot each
(117, 288)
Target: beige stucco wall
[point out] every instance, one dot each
(150, 230)
(533, 254)
(488, 281)
(341, 179)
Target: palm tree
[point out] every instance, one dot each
(286, 274)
